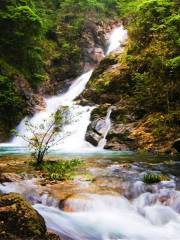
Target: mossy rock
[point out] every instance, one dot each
(103, 66)
(100, 111)
(18, 220)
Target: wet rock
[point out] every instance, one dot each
(18, 220)
(98, 125)
(92, 136)
(35, 103)
(176, 145)
(119, 137)
(9, 177)
(95, 131)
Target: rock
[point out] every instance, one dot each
(9, 177)
(119, 137)
(176, 145)
(92, 135)
(18, 220)
(52, 236)
(98, 125)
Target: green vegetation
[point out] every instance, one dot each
(151, 178)
(46, 135)
(148, 71)
(42, 41)
(58, 170)
(11, 103)
(145, 78)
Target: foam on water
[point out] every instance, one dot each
(153, 213)
(110, 217)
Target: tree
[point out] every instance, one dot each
(47, 134)
(11, 103)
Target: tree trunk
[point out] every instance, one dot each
(40, 157)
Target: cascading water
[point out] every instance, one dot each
(141, 212)
(152, 212)
(106, 129)
(114, 218)
(80, 114)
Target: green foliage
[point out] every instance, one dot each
(58, 170)
(153, 54)
(21, 30)
(47, 134)
(147, 73)
(163, 124)
(151, 178)
(42, 40)
(11, 103)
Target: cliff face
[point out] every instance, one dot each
(133, 128)
(142, 83)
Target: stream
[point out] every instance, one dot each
(113, 202)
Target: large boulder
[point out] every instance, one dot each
(93, 134)
(176, 145)
(98, 126)
(18, 220)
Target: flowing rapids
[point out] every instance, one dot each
(76, 130)
(140, 212)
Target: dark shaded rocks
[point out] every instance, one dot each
(96, 128)
(123, 124)
(176, 145)
(94, 43)
(93, 134)
(52, 236)
(18, 220)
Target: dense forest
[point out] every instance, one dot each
(42, 42)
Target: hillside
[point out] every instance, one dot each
(142, 83)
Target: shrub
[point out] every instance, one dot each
(58, 170)
(151, 178)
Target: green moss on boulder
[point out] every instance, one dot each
(18, 220)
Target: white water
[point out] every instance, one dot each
(112, 218)
(152, 214)
(75, 141)
(106, 129)
(80, 115)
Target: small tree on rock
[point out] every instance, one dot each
(44, 136)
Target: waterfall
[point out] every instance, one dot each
(81, 114)
(105, 129)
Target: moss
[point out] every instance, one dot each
(151, 178)
(104, 65)
(19, 219)
(100, 111)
